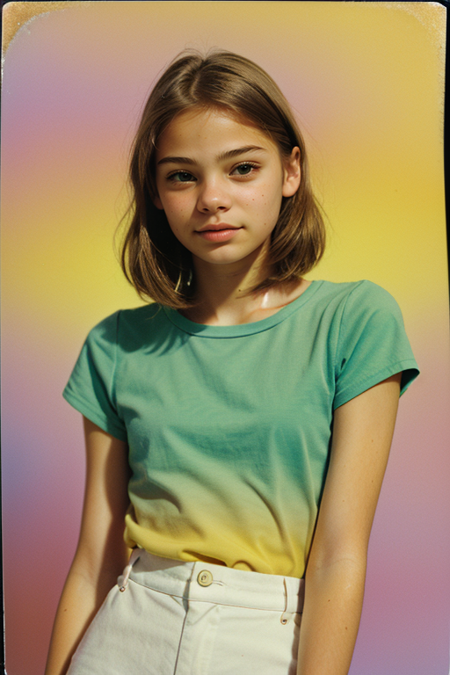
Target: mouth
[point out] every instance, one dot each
(218, 233)
(218, 227)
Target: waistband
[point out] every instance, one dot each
(207, 582)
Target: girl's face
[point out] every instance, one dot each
(220, 183)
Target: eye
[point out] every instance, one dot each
(244, 169)
(181, 177)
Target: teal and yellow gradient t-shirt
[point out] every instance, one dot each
(229, 427)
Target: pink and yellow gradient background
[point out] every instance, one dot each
(366, 80)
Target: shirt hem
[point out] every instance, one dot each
(376, 378)
(92, 415)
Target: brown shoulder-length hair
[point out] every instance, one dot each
(154, 261)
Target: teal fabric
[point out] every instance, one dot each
(229, 427)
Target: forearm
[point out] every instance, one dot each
(80, 600)
(101, 552)
(331, 616)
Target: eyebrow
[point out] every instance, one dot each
(229, 154)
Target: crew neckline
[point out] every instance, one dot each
(242, 329)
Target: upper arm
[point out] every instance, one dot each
(101, 546)
(361, 440)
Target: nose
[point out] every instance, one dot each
(213, 197)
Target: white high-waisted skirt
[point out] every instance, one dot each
(167, 617)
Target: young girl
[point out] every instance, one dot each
(221, 416)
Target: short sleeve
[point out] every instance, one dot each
(372, 343)
(90, 389)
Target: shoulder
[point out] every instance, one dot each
(362, 289)
(364, 305)
(358, 298)
(368, 291)
(134, 320)
(372, 343)
(368, 300)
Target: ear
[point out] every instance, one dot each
(291, 173)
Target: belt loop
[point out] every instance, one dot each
(286, 615)
(122, 580)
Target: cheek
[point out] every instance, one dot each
(267, 201)
(176, 207)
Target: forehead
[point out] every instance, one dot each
(211, 130)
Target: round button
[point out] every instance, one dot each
(205, 578)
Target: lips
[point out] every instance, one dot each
(217, 227)
(218, 233)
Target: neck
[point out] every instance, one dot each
(223, 297)
(222, 292)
